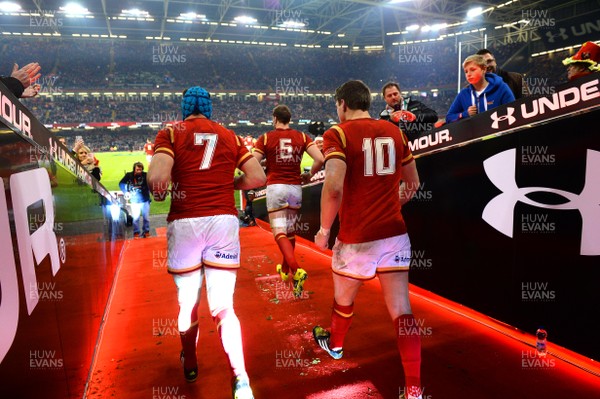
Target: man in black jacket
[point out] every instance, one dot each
(135, 185)
(413, 117)
(20, 80)
(514, 80)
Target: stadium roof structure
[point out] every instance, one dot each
(353, 24)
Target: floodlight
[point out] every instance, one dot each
(293, 24)
(473, 12)
(135, 12)
(439, 26)
(412, 27)
(244, 19)
(191, 15)
(74, 9)
(9, 6)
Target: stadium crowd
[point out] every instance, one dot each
(63, 110)
(71, 64)
(286, 75)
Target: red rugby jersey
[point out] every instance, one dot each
(374, 152)
(206, 155)
(149, 148)
(283, 149)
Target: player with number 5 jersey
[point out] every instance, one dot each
(283, 149)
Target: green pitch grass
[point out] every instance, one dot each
(114, 165)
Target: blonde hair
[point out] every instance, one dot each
(86, 149)
(476, 59)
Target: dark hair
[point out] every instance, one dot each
(387, 86)
(355, 94)
(282, 113)
(484, 51)
(138, 164)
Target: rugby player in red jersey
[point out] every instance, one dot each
(149, 150)
(195, 161)
(366, 160)
(283, 149)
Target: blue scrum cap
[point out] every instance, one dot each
(195, 100)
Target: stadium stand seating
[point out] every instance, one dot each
(72, 67)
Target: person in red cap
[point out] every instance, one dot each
(584, 62)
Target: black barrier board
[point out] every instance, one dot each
(507, 218)
(60, 244)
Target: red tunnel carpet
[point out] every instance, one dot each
(138, 354)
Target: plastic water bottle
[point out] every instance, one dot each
(540, 344)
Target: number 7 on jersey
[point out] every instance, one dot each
(210, 139)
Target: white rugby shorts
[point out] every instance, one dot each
(363, 261)
(281, 196)
(212, 241)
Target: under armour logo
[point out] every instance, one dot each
(509, 116)
(499, 212)
(561, 33)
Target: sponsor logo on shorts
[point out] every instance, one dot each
(225, 255)
(402, 258)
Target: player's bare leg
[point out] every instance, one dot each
(280, 221)
(279, 226)
(188, 295)
(220, 286)
(395, 291)
(345, 291)
(284, 268)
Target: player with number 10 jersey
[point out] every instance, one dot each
(370, 148)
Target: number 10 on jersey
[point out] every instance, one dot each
(384, 159)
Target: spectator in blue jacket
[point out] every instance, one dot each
(485, 91)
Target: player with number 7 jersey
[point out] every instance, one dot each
(198, 158)
(207, 155)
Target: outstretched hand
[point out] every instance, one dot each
(28, 74)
